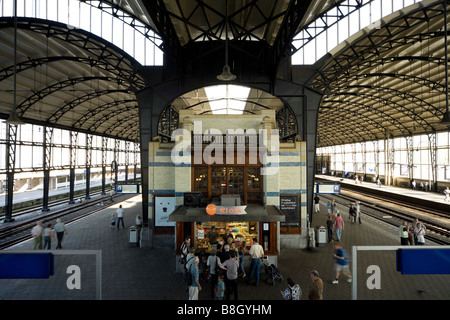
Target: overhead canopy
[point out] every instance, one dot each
(69, 79)
(388, 80)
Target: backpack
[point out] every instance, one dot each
(188, 277)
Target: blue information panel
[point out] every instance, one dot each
(26, 266)
(423, 261)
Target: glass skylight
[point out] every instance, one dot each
(227, 99)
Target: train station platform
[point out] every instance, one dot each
(148, 273)
(402, 193)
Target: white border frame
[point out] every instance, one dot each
(355, 250)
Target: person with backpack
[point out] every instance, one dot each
(195, 286)
(213, 263)
(341, 263)
(186, 267)
(292, 292)
(184, 250)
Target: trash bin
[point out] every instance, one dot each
(133, 236)
(321, 235)
(311, 238)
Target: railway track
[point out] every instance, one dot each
(394, 213)
(17, 213)
(19, 231)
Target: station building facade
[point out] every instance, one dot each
(230, 161)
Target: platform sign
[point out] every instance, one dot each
(423, 261)
(71, 270)
(26, 266)
(328, 189)
(127, 188)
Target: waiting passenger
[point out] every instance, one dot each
(403, 233)
(339, 226)
(419, 231)
(37, 233)
(48, 235)
(60, 230)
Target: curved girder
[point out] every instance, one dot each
(356, 127)
(77, 101)
(30, 63)
(358, 113)
(425, 82)
(380, 95)
(112, 115)
(125, 122)
(325, 20)
(89, 43)
(231, 99)
(133, 133)
(66, 72)
(25, 105)
(395, 70)
(105, 107)
(378, 44)
(346, 130)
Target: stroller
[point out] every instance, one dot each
(273, 273)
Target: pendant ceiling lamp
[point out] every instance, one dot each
(226, 74)
(13, 116)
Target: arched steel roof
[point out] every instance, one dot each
(386, 80)
(68, 78)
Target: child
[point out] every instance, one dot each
(220, 288)
(113, 220)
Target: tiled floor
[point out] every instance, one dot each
(131, 273)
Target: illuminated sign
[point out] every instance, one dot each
(212, 209)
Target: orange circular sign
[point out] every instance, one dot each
(211, 209)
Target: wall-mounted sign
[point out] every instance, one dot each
(164, 206)
(127, 188)
(290, 206)
(329, 188)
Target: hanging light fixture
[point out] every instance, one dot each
(446, 118)
(13, 116)
(226, 74)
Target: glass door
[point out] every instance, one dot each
(236, 181)
(218, 181)
(227, 180)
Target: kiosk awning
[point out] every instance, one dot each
(255, 213)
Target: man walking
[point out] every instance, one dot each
(256, 253)
(316, 287)
(341, 263)
(316, 203)
(37, 233)
(120, 217)
(339, 226)
(60, 230)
